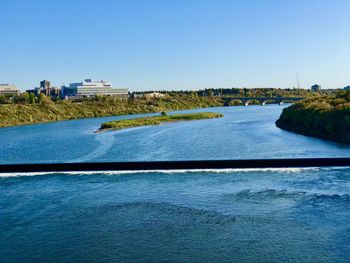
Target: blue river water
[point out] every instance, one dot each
(256, 215)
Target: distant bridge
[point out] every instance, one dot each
(262, 100)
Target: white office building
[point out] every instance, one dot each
(9, 90)
(90, 88)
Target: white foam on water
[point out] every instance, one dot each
(160, 132)
(175, 171)
(106, 141)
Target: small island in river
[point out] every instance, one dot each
(326, 117)
(157, 120)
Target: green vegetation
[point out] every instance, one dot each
(156, 120)
(326, 117)
(28, 109)
(24, 98)
(45, 110)
(235, 103)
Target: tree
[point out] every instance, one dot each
(43, 99)
(31, 98)
(3, 99)
(194, 94)
(18, 99)
(26, 97)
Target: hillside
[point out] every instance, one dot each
(20, 114)
(326, 117)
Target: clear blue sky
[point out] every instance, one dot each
(176, 44)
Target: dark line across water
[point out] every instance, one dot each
(174, 165)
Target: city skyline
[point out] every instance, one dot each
(177, 45)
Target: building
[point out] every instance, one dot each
(45, 87)
(55, 92)
(154, 95)
(45, 84)
(147, 95)
(71, 90)
(316, 88)
(89, 88)
(137, 95)
(9, 90)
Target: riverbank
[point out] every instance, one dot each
(326, 117)
(157, 120)
(21, 114)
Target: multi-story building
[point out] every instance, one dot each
(45, 87)
(9, 90)
(316, 88)
(89, 88)
(45, 84)
(55, 92)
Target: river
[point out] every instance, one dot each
(259, 215)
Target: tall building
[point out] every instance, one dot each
(45, 84)
(316, 88)
(90, 88)
(45, 87)
(9, 90)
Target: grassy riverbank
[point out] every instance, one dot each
(326, 117)
(156, 120)
(20, 114)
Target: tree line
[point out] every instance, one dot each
(323, 116)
